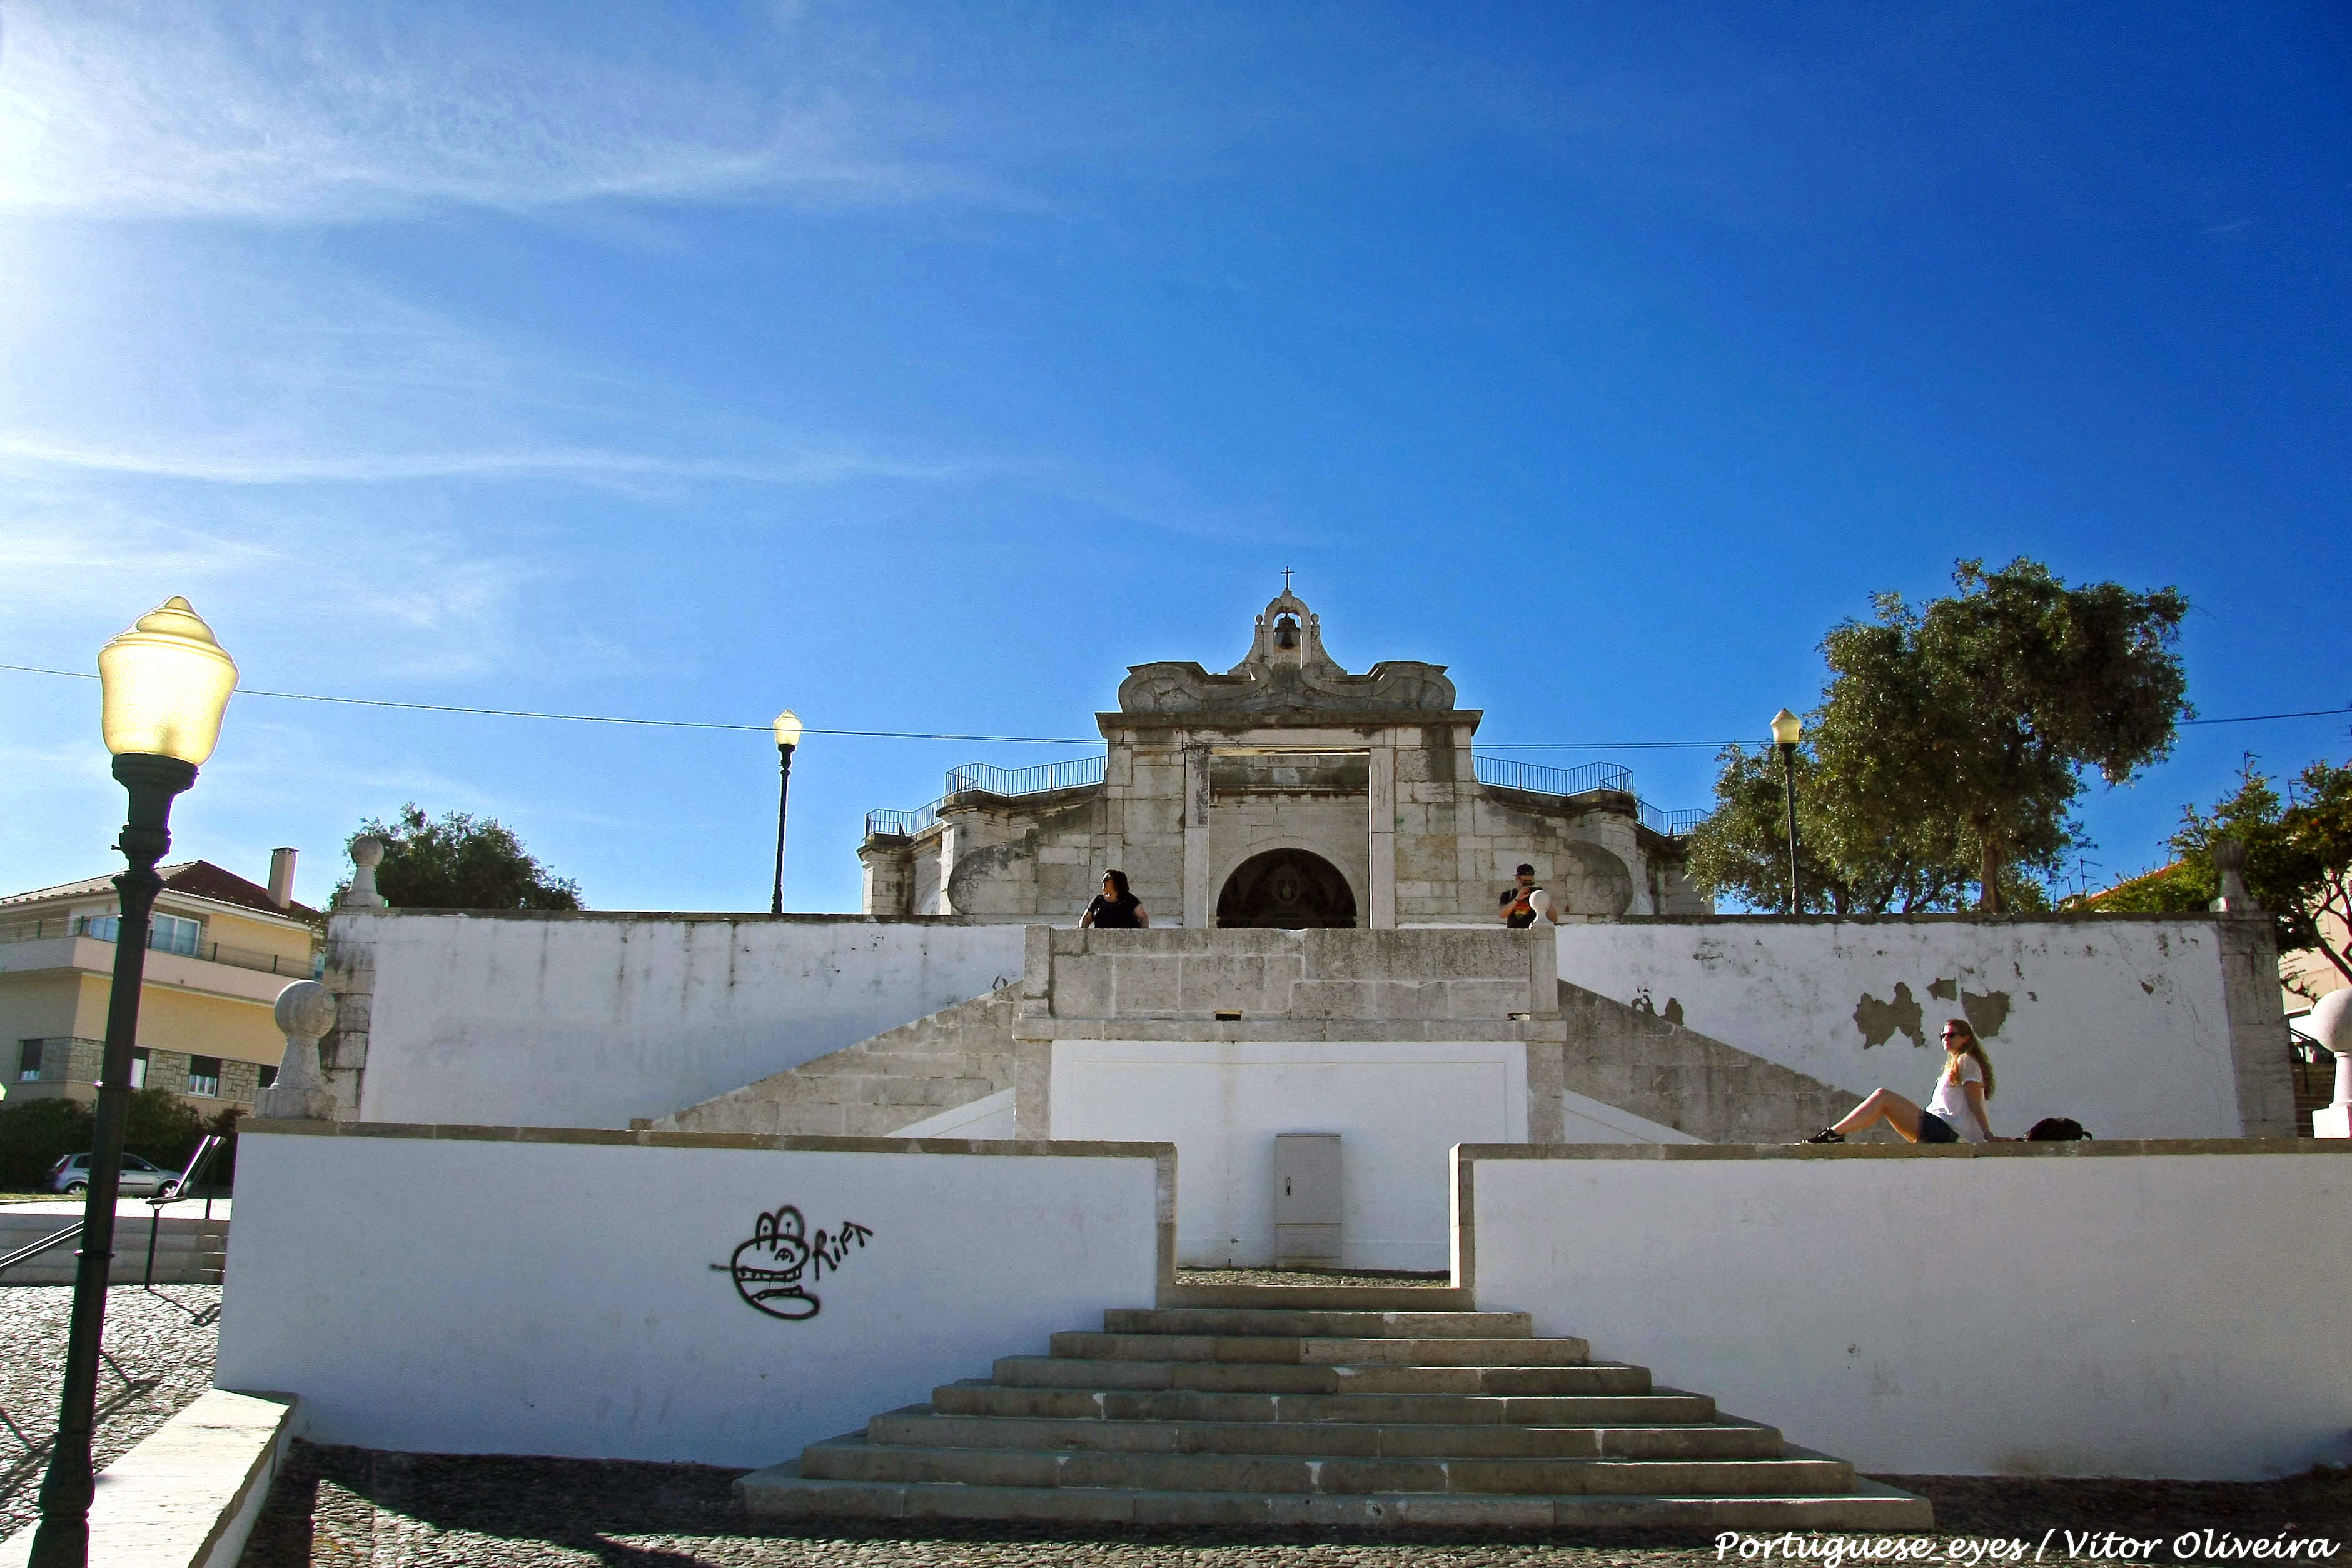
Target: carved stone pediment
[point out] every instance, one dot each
(1287, 670)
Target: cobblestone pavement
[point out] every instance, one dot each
(160, 1358)
(354, 1509)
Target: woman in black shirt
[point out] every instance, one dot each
(1115, 908)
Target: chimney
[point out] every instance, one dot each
(281, 877)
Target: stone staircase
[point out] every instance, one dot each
(872, 1088)
(1694, 1084)
(1369, 1408)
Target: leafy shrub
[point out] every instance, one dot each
(35, 1135)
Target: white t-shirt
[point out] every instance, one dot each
(1951, 1102)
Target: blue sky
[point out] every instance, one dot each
(922, 368)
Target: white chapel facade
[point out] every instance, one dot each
(1286, 792)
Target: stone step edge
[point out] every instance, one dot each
(1717, 1422)
(1322, 1298)
(1789, 1460)
(1581, 1353)
(1656, 1391)
(1870, 1505)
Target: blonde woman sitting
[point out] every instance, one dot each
(1955, 1114)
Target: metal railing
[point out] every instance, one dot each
(104, 927)
(1672, 825)
(981, 777)
(1508, 773)
(1037, 780)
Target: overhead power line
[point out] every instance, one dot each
(1007, 739)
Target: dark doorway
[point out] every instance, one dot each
(1289, 889)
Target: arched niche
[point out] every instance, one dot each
(1286, 889)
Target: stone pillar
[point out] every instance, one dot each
(1383, 812)
(889, 863)
(306, 1011)
(1197, 910)
(950, 835)
(2331, 1025)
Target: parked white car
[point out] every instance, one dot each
(140, 1179)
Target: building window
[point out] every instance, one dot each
(138, 1067)
(28, 1060)
(204, 1075)
(165, 932)
(269, 1077)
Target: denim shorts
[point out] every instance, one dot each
(1934, 1129)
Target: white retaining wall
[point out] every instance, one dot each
(1399, 1108)
(2161, 1311)
(479, 1291)
(589, 1020)
(2135, 1027)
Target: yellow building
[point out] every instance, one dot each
(219, 951)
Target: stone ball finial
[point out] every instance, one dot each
(367, 854)
(2330, 1022)
(306, 1010)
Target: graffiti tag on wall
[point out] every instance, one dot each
(773, 1269)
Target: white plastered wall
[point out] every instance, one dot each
(443, 1293)
(2026, 1313)
(588, 1021)
(2122, 1025)
(1399, 1109)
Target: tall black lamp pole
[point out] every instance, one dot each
(788, 739)
(1786, 731)
(167, 683)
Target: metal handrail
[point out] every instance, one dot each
(37, 1248)
(1036, 781)
(1509, 773)
(984, 778)
(1671, 824)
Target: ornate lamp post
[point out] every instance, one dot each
(1786, 730)
(167, 683)
(788, 737)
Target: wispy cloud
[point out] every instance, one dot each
(353, 110)
(815, 466)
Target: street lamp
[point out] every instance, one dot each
(166, 682)
(788, 737)
(1786, 730)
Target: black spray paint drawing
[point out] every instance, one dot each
(773, 1269)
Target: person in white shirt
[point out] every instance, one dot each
(1954, 1114)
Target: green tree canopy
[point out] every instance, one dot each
(2298, 858)
(1951, 742)
(459, 862)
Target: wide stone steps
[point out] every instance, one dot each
(782, 1492)
(923, 1427)
(1320, 1350)
(1264, 1378)
(1659, 1405)
(856, 1458)
(1337, 1406)
(1290, 1322)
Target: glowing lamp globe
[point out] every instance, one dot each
(166, 682)
(1786, 729)
(788, 728)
